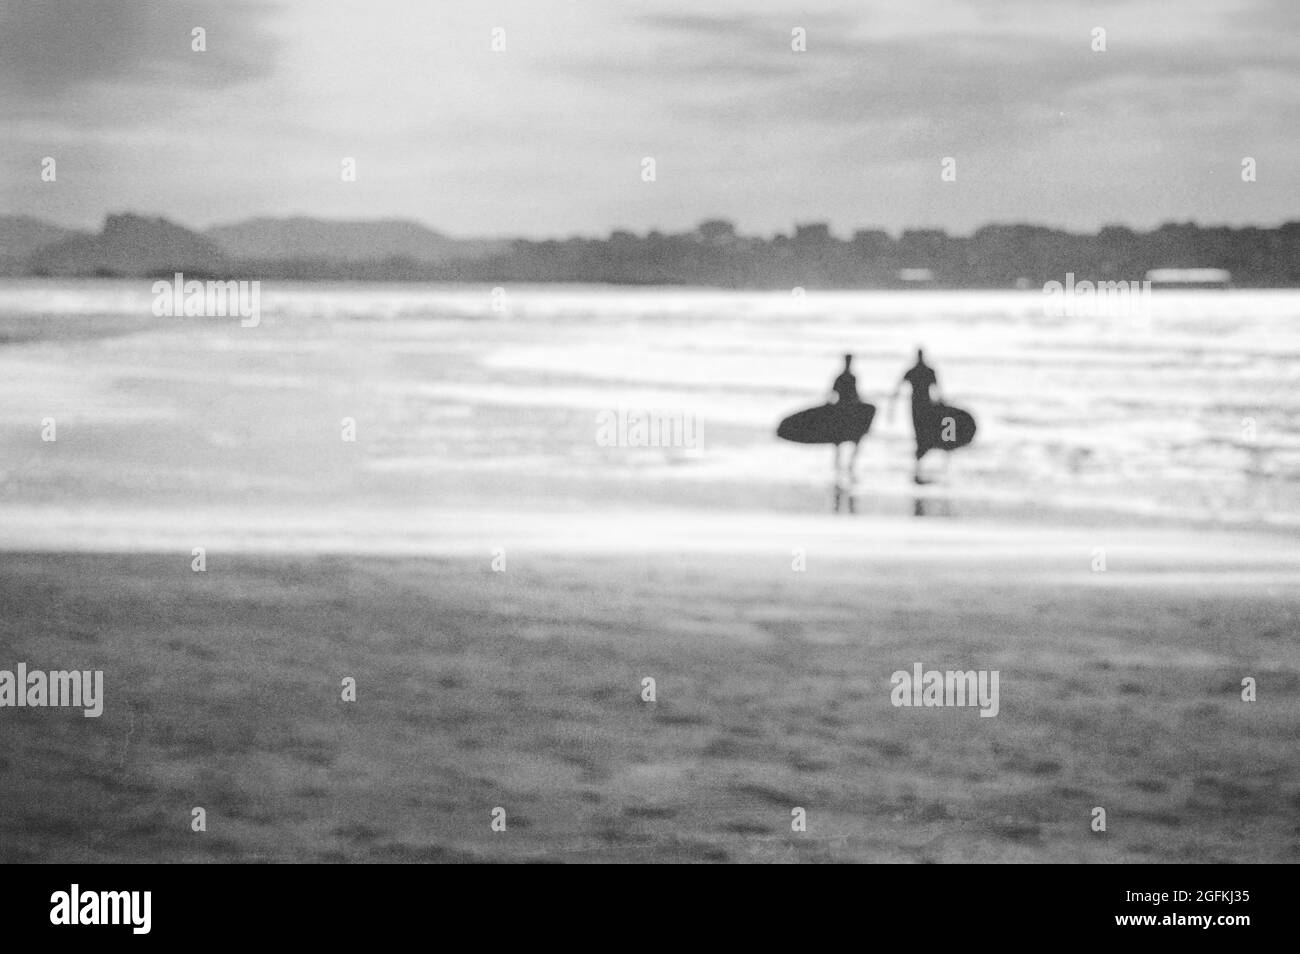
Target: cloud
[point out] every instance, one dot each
(52, 50)
(903, 92)
(548, 136)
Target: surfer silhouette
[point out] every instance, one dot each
(844, 419)
(936, 425)
(925, 387)
(845, 391)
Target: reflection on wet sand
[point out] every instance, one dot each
(931, 506)
(844, 499)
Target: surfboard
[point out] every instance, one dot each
(949, 428)
(828, 424)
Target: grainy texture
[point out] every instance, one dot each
(520, 690)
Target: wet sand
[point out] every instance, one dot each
(521, 689)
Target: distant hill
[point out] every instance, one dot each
(130, 245)
(319, 240)
(21, 235)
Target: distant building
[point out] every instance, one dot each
(1190, 277)
(716, 232)
(816, 233)
(871, 237)
(915, 275)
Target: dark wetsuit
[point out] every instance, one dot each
(921, 377)
(846, 386)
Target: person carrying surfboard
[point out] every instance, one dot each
(938, 426)
(845, 391)
(844, 419)
(925, 398)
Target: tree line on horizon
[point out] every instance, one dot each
(712, 254)
(995, 256)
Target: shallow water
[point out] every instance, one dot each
(463, 399)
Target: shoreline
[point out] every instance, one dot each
(416, 531)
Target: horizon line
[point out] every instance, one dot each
(576, 236)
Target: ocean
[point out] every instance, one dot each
(474, 399)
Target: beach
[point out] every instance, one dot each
(499, 601)
(522, 689)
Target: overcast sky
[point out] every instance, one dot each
(547, 137)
